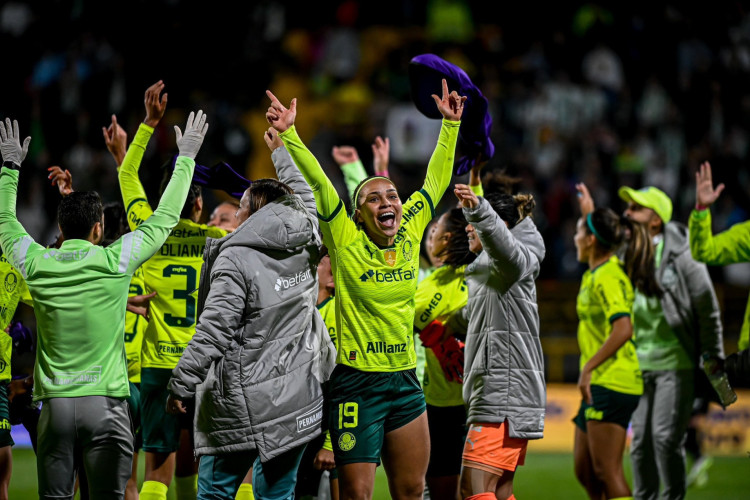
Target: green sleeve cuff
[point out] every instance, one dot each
(477, 190)
(327, 443)
(451, 123)
(700, 214)
(617, 316)
(143, 135)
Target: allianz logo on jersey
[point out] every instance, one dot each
(285, 283)
(395, 275)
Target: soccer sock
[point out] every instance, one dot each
(245, 492)
(153, 490)
(187, 487)
(483, 496)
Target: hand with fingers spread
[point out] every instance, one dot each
(10, 143)
(451, 105)
(273, 141)
(116, 140)
(155, 106)
(381, 149)
(705, 194)
(466, 196)
(344, 155)
(62, 178)
(585, 201)
(195, 131)
(278, 116)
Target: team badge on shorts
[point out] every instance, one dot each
(347, 441)
(390, 257)
(10, 282)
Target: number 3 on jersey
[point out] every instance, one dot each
(182, 294)
(348, 411)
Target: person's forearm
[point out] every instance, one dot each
(354, 173)
(10, 228)
(326, 197)
(622, 331)
(728, 247)
(130, 184)
(289, 174)
(440, 168)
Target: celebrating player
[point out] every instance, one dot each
(376, 406)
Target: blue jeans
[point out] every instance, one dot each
(220, 476)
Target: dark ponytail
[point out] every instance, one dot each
(512, 208)
(456, 252)
(610, 231)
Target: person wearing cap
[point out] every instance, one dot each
(671, 333)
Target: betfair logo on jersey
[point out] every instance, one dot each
(284, 283)
(171, 348)
(384, 348)
(396, 275)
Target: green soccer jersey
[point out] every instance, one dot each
(13, 291)
(375, 287)
(442, 293)
(606, 294)
(80, 293)
(135, 326)
(173, 272)
(327, 310)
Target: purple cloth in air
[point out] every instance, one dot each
(221, 176)
(426, 73)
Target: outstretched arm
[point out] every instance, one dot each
(15, 241)
(440, 168)
(282, 119)
(287, 171)
(133, 195)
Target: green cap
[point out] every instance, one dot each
(649, 197)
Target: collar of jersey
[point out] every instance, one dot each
(75, 244)
(603, 264)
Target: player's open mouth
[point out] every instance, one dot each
(387, 219)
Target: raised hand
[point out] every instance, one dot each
(381, 150)
(466, 196)
(62, 178)
(116, 140)
(705, 194)
(195, 131)
(344, 154)
(585, 201)
(451, 106)
(273, 141)
(10, 142)
(154, 106)
(475, 174)
(278, 116)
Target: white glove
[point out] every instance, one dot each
(10, 145)
(195, 131)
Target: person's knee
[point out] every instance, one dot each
(355, 490)
(409, 488)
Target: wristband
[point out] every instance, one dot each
(700, 207)
(11, 165)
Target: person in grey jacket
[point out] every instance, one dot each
(504, 384)
(671, 333)
(261, 351)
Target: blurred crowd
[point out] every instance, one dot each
(609, 96)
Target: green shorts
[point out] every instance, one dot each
(364, 406)
(5, 439)
(160, 431)
(609, 406)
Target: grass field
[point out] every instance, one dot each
(545, 475)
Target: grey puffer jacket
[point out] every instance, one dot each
(261, 351)
(504, 365)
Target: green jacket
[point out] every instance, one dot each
(728, 247)
(80, 293)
